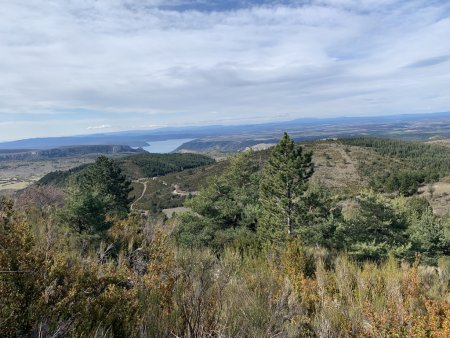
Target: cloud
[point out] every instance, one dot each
(430, 61)
(103, 126)
(152, 62)
(150, 126)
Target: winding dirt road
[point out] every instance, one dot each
(142, 195)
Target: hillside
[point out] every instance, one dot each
(343, 166)
(60, 178)
(170, 191)
(137, 166)
(335, 169)
(150, 165)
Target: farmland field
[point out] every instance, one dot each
(16, 175)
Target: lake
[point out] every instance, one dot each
(166, 146)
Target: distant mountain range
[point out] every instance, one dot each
(410, 126)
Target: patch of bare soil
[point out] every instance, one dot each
(438, 194)
(445, 142)
(179, 192)
(172, 211)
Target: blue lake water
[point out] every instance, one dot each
(166, 146)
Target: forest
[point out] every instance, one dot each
(420, 163)
(261, 251)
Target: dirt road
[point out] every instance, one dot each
(142, 195)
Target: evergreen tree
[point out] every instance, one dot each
(230, 200)
(427, 233)
(104, 179)
(283, 184)
(103, 190)
(375, 230)
(319, 224)
(84, 212)
(227, 208)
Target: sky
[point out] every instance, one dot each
(92, 66)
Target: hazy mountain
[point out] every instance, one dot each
(411, 126)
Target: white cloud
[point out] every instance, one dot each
(103, 126)
(328, 57)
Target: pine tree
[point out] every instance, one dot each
(230, 200)
(104, 179)
(84, 212)
(283, 184)
(427, 234)
(375, 230)
(226, 210)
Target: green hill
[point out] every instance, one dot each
(60, 178)
(137, 166)
(150, 165)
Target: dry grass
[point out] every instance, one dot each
(336, 166)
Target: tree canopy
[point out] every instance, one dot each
(283, 185)
(105, 180)
(100, 192)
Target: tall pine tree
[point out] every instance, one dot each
(104, 179)
(283, 184)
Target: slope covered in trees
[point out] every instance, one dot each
(150, 165)
(433, 159)
(414, 163)
(137, 166)
(61, 178)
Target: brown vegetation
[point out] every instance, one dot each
(148, 288)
